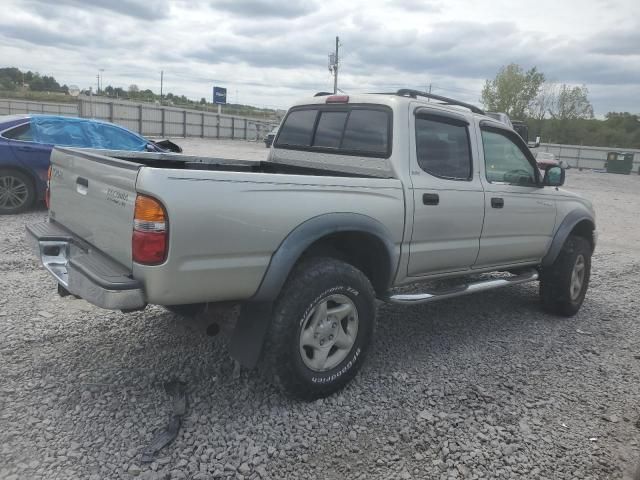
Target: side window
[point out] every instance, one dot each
(21, 132)
(442, 148)
(367, 131)
(504, 161)
(297, 130)
(330, 128)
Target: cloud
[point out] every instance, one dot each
(416, 5)
(266, 8)
(275, 51)
(616, 43)
(40, 35)
(280, 56)
(142, 9)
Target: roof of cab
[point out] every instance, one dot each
(394, 100)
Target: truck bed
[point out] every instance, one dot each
(226, 217)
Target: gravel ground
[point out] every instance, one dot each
(485, 386)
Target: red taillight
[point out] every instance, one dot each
(150, 229)
(338, 99)
(149, 248)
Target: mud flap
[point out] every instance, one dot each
(248, 336)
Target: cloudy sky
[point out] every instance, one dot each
(270, 52)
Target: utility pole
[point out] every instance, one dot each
(161, 82)
(335, 67)
(98, 82)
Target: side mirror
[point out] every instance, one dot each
(554, 177)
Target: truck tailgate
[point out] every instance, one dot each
(94, 197)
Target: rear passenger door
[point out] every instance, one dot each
(448, 199)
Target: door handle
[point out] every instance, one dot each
(497, 202)
(26, 149)
(82, 185)
(430, 198)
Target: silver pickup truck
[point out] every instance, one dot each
(360, 195)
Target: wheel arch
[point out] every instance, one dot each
(354, 238)
(577, 222)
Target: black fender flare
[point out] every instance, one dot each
(312, 230)
(255, 314)
(567, 225)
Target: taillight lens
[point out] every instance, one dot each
(47, 193)
(150, 231)
(337, 99)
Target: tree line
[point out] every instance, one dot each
(19, 83)
(12, 79)
(558, 113)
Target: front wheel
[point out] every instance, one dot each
(322, 326)
(564, 284)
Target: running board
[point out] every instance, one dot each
(416, 298)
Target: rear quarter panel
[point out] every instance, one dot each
(225, 226)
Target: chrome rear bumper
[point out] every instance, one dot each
(83, 270)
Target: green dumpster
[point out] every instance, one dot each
(619, 162)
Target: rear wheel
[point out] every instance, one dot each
(17, 192)
(321, 330)
(564, 284)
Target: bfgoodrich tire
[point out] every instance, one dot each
(17, 192)
(321, 329)
(564, 284)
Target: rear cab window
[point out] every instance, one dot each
(351, 129)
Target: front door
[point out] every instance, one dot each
(448, 200)
(520, 215)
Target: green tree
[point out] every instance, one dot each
(512, 91)
(570, 103)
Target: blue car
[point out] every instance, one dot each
(26, 142)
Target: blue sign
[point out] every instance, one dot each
(220, 95)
